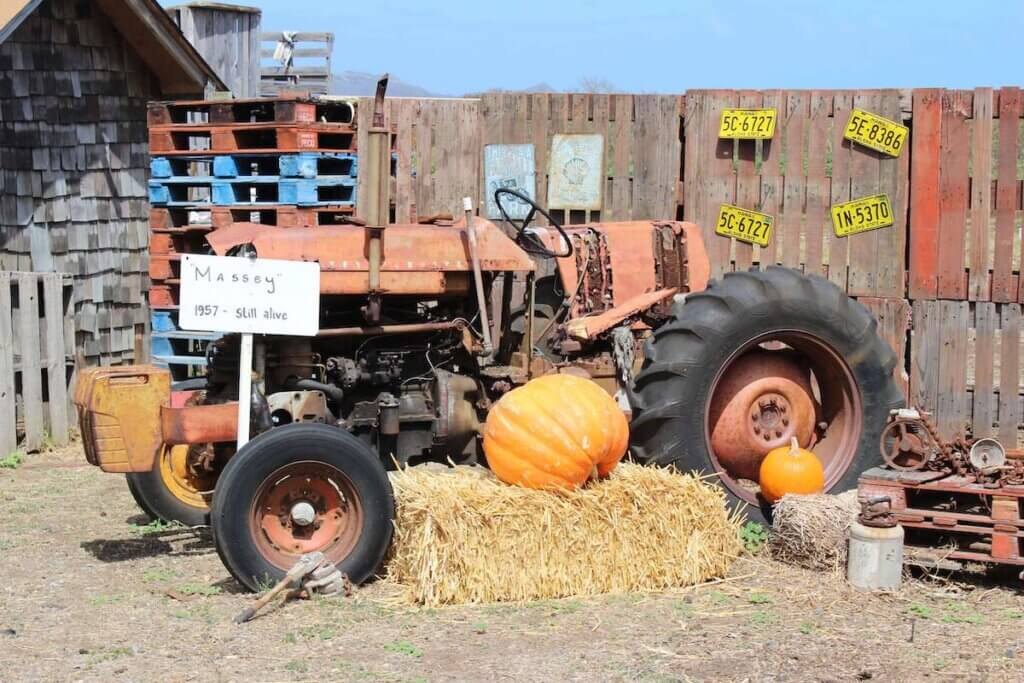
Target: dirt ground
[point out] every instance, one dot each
(89, 595)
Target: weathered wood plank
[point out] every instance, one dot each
(865, 168)
(950, 408)
(924, 193)
(839, 249)
(1009, 373)
(1004, 285)
(818, 224)
(31, 375)
(984, 413)
(796, 113)
(56, 371)
(981, 196)
(771, 181)
(924, 354)
(893, 317)
(8, 415)
(952, 268)
(748, 182)
(894, 176)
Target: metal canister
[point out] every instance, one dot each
(875, 560)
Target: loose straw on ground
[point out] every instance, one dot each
(810, 531)
(464, 537)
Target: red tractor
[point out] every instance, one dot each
(407, 362)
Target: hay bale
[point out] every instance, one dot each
(464, 537)
(810, 531)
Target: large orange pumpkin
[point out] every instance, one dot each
(554, 432)
(790, 469)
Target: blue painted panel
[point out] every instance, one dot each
(512, 167)
(160, 167)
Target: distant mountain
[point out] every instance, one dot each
(357, 83)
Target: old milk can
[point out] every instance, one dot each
(876, 547)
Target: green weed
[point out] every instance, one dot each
(318, 632)
(920, 611)
(480, 627)
(158, 575)
(199, 589)
(759, 599)
(154, 527)
(100, 600)
(753, 536)
(404, 647)
(297, 666)
(763, 618)
(806, 628)
(12, 461)
(109, 654)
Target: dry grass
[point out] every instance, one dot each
(810, 531)
(464, 537)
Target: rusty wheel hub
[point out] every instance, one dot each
(304, 507)
(778, 387)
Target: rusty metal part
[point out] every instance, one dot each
(416, 260)
(987, 453)
(372, 331)
(876, 511)
(478, 280)
(589, 327)
(458, 421)
(312, 573)
(298, 406)
(907, 444)
(762, 401)
(117, 407)
(337, 521)
(201, 424)
(377, 160)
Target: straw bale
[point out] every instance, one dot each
(464, 537)
(810, 531)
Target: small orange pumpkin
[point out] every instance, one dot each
(554, 432)
(790, 469)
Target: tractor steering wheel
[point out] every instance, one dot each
(530, 243)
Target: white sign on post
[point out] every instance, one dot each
(260, 296)
(251, 296)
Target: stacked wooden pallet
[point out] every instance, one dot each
(288, 162)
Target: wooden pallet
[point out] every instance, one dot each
(37, 352)
(953, 516)
(300, 165)
(181, 220)
(277, 110)
(258, 138)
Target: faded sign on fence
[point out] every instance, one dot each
(510, 167)
(574, 176)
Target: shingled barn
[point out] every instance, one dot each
(75, 77)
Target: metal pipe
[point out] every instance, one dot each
(377, 160)
(375, 330)
(478, 278)
(531, 301)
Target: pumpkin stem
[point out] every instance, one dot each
(594, 476)
(794, 447)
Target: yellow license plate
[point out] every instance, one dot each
(744, 225)
(876, 132)
(861, 215)
(747, 124)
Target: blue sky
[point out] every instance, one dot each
(461, 46)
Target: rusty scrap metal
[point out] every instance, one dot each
(312, 573)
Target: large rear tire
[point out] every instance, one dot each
(754, 316)
(301, 488)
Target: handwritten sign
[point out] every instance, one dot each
(259, 296)
(510, 167)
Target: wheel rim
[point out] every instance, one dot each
(181, 480)
(303, 507)
(757, 388)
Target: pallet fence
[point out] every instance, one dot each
(37, 359)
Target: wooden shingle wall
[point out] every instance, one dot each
(74, 168)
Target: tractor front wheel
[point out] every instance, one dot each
(757, 359)
(297, 489)
(173, 491)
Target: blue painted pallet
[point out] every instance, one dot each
(301, 165)
(164, 330)
(174, 192)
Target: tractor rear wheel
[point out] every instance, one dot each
(172, 491)
(297, 489)
(757, 358)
